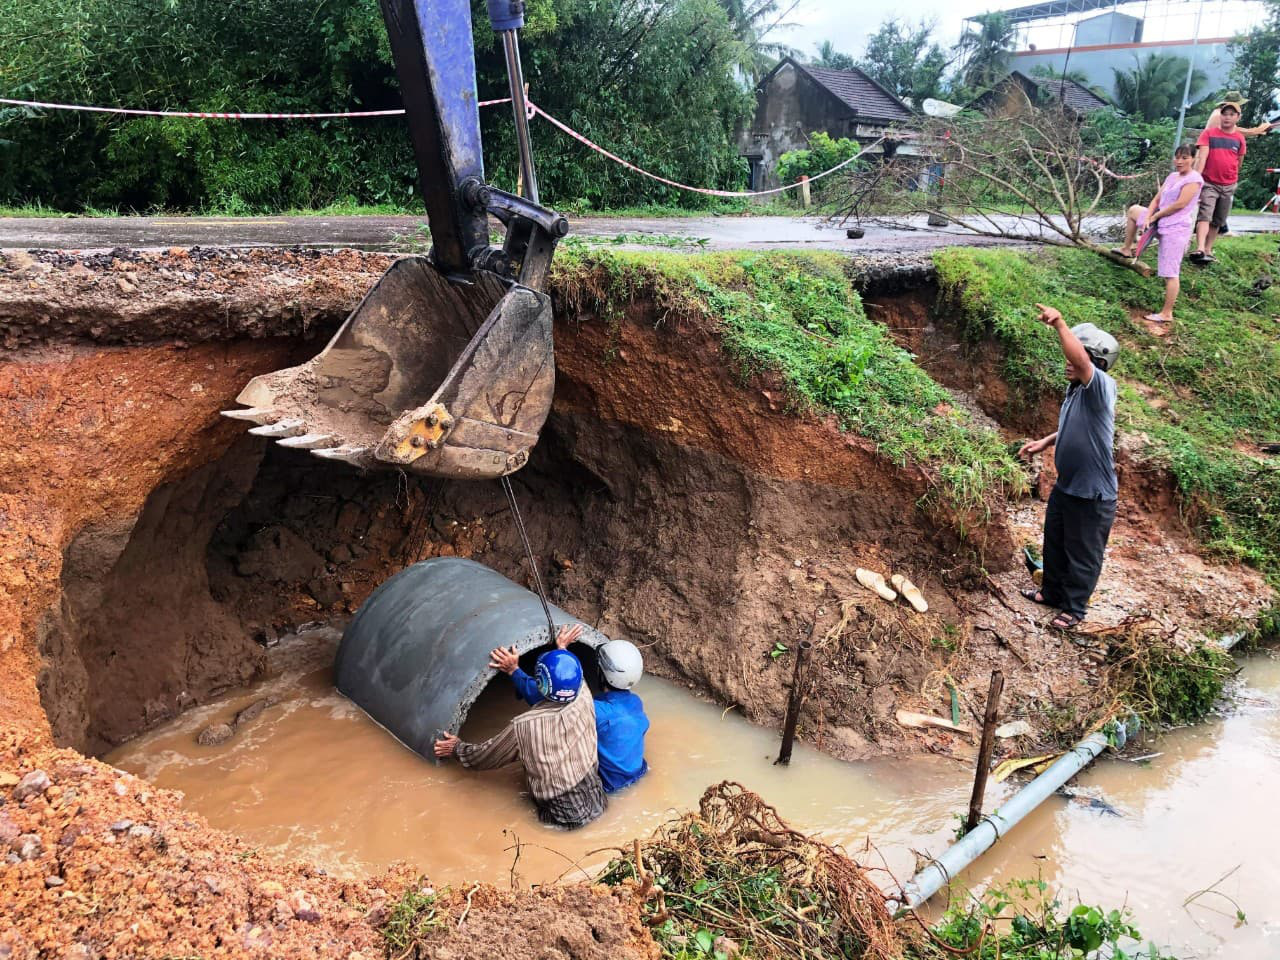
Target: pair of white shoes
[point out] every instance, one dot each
(874, 582)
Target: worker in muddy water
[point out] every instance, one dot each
(555, 742)
(620, 718)
(1082, 506)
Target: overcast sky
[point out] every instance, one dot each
(848, 23)
(835, 20)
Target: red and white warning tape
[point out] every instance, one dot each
(684, 186)
(197, 115)
(532, 109)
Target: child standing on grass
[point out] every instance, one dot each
(1172, 213)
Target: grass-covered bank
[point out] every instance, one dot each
(798, 316)
(1196, 401)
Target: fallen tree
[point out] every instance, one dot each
(1034, 175)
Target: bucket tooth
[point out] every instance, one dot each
(256, 414)
(309, 441)
(349, 452)
(281, 428)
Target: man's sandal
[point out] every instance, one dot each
(1120, 253)
(1035, 596)
(1065, 621)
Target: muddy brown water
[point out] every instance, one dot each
(313, 777)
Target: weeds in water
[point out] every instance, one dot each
(1023, 921)
(1166, 682)
(415, 915)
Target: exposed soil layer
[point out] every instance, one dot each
(145, 544)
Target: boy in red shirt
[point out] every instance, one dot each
(1218, 157)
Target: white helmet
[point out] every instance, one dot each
(620, 664)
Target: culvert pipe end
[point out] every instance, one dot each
(416, 655)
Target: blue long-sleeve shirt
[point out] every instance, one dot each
(620, 728)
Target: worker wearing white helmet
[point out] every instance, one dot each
(620, 718)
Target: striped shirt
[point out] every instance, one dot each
(556, 744)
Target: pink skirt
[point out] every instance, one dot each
(1173, 246)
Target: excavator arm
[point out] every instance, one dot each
(446, 367)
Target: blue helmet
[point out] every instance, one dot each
(559, 675)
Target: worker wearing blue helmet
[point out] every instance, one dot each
(620, 718)
(555, 742)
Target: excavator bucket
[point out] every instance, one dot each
(430, 375)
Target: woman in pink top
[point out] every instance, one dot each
(1172, 215)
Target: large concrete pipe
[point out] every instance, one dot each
(416, 654)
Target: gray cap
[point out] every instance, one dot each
(1099, 344)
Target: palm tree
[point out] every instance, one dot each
(831, 58)
(1153, 88)
(751, 21)
(985, 50)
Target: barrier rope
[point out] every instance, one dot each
(533, 110)
(565, 128)
(203, 115)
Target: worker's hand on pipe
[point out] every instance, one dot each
(568, 634)
(446, 746)
(1049, 316)
(505, 659)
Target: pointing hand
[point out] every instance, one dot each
(1049, 316)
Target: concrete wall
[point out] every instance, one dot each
(1097, 63)
(1108, 28)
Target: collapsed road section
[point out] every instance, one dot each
(681, 496)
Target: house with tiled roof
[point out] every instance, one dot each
(1019, 90)
(795, 100)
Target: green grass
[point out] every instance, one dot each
(798, 316)
(1196, 401)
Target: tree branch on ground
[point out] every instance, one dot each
(1035, 175)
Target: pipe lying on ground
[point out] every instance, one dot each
(995, 825)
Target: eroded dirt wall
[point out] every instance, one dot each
(678, 505)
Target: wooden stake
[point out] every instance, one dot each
(794, 702)
(805, 196)
(984, 750)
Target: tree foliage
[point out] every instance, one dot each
(905, 59)
(830, 58)
(823, 154)
(1256, 74)
(1153, 88)
(611, 68)
(985, 50)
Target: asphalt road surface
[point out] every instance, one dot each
(399, 233)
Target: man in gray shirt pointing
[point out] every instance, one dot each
(1082, 506)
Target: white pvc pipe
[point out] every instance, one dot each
(995, 825)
